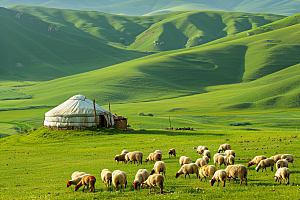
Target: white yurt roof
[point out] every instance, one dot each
(76, 111)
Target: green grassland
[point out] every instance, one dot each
(38, 164)
(143, 7)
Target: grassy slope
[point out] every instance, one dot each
(40, 163)
(143, 7)
(173, 30)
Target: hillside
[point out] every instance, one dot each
(151, 33)
(143, 7)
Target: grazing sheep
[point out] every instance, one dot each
(159, 166)
(154, 180)
(87, 181)
(140, 177)
(219, 175)
(282, 173)
(154, 157)
(125, 151)
(134, 156)
(224, 147)
(288, 157)
(119, 158)
(184, 160)
(207, 153)
(237, 171)
(158, 151)
(207, 170)
(106, 177)
(198, 149)
(269, 162)
(276, 157)
(172, 152)
(205, 158)
(119, 178)
(76, 178)
(201, 162)
(229, 160)
(219, 159)
(230, 153)
(188, 169)
(282, 163)
(256, 160)
(201, 149)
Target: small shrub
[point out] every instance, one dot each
(240, 124)
(145, 114)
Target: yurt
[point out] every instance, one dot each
(77, 113)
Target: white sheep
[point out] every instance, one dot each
(158, 151)
(219, 175)
(188, 169)
(230, 153)
(135, 156)
(87, 181)
(269, 162)
(201, 149)
(125, 151)
(77, 174)
(219, 159)
(205, 158)
(256, 160)
(76, 178)
(159, 166)
(172, 152)
(282, 173)
(224, 147)
(154, 157)
(276, 157)
(288, 157)
(184, 160)
(282, 163)
(198, 149)
(141, 176)
(106, 177)
(207, 153)
(229, 160)
(200, 162)
(119, 178)
(154, 180)
(207, 171)
(237, 171)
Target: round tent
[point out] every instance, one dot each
(78, 111)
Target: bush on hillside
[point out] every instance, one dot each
(240, 124)
(145, 114)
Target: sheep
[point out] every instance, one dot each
(154, 157)
(106, 177)
(282, 173)
(269, 162)
(188, 169)
(172, 152)
(205, 158)
(207, 153)
(87, 181)
(224, 147)
(158, 151)
(125, 151)
(219, 159)
(76, 178)
(159, 166)
(207, 170)
(282, 163)
(140, 177)
(219, 175)
(288, 157)
(276, 157)
(154, 180)
(201, 149)
(184, 160)
(237, 171)
(119, 158)
(119, 178)
(256, 160)
(229, 160)
(134, 156)
(230, 153)
(200, 162)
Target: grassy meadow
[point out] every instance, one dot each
(38, 164)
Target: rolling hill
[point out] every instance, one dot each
(143, 7)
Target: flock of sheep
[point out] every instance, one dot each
(200, 168)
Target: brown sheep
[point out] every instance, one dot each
(172, 152)
(87, 181)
